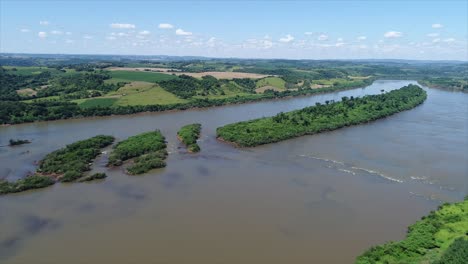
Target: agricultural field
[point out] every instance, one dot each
(125, 76)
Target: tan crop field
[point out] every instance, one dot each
(217, 75)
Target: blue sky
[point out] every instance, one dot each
(253, 29)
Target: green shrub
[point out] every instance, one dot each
(95, 176)
(188, 135)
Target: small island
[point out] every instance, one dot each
(321, 117)
(148, 151)
(66, 165)
(439, 238)
(17, 142)
(188, 135)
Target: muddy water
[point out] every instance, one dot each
(315, 199)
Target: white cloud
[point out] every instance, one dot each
(111, 38)
(433, 35)
(69, 41)
(436, 40)
(44, 23)
(437, 25)
(322, 37)
(449, 40)
(68, 33)
(308, 33)
(42, 34)
(122, 26)
(362, 38)
(181, 32)
(24, 30)
(120, 34)
(339, 39)
(144, 32)
(287, 39)
(56, 32)
(393, 34)
(339, 44)
(87, 37)
(165, 26)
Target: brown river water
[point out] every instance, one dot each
(315, 199)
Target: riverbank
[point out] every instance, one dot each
(27, 113)
(440, 238)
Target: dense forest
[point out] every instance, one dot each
(439, 238)
(188, 135)
(148, 149)
(321, 117)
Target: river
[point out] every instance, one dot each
(315, 199)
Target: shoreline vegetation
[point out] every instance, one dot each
(321, 117)
(189, 135)
(64, 165)
(20, 112)
(438, 238)
(446, 84)
(147, 151)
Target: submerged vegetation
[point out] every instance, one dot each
(321, 117)
(68, 164)
(188, 135)
(439, 238)
(28, 183)
(148, 149)
(93, 177)
(16, 142)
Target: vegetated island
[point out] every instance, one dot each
(148, 151)
(17, 142)
(439, 238)
(66, 165)
(321, 117)
(188, 135)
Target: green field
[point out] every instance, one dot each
(271, 81)
(93, 102)
(126, 76)
(150, 96)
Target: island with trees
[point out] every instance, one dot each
(148, 151)
(321, 117)
(189, 135)
(68, 164)
(438, 238)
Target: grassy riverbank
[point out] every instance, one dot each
(148, 150)
(439, 238)
(188, 135)
(320, 118)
